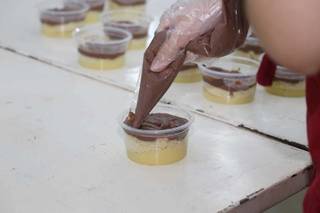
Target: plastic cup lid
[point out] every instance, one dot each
(244, 67)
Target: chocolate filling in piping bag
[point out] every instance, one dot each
(153, 85)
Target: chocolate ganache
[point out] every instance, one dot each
(56, 16)
(137, 31)
(129, 2)
(232, 86)
(158, 121)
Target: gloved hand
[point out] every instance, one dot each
(205, 27)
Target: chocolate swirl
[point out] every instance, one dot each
(158, 121)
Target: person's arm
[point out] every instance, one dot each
(289, 31)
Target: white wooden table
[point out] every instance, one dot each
(282, 118)
(61, 150)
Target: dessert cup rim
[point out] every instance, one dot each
(120, 1)
(43, 8)
(77, 34)
(100, 1)
(208, 72)
(143, 16)
(286, 73)
(161, 133)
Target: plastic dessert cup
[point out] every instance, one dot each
(95, 11)
(287, 83)
(61, 18)
(102, 48)
(250, 49)
(158, 147)
(188, 74)
(229, 80)
(135, 22)
(137, 5)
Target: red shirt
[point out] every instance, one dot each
(312, 198)
(265, 76)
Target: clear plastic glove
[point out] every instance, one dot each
(204, 27)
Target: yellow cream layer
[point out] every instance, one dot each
(139, 7)
(101, 64)
(286, 89)
(138, 44)
(93, 17)
(218, 95)
(61, 30)
(159, 152)
(188, 76)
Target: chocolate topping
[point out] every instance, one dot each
(231, 86)
(185, 67)
(98, 7)
(129, 2)
(51, 18)
(158, 121)
(228, 34)
(95, 5)
(286, 75)
(98, 52)
(93, 46)
(102, 46)
(135, 29)
(65, 9)
(254, 48)
(287, 80)
(114, 35)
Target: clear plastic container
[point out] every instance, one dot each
(102, 48)
(250, 49)
(61, 18)
(287, 83)
(158, 147)
(95, 11)
(135, 22)
(229, 80)
(189, 73)
(137, 5)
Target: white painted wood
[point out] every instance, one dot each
(23, 35)
(280, 117)
(284, 118)
(61, 150)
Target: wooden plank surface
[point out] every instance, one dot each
(62, 151)
(283, 118)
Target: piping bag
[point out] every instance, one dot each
(153, 85)
(229, 33)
